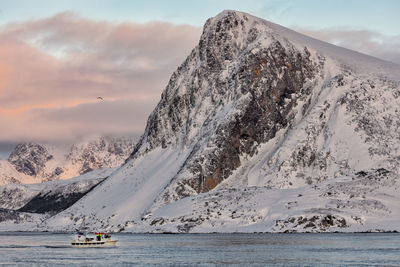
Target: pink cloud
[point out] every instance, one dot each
(53, 69)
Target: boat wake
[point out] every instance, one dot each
(57, 246)
(20, 246)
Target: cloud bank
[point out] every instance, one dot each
(52, 71)
(364, 41)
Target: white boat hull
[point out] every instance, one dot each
(93, 243)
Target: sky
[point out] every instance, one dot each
(57, 57)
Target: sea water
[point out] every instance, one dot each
(334, 249)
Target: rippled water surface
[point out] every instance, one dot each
(48, 249)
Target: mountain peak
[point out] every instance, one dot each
(351, 59)
(229, 14)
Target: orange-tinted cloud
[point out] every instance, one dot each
(52, 71)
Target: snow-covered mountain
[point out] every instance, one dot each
(260, 129)
(32, 163)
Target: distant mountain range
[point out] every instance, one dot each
(261, 129)
(34, 163)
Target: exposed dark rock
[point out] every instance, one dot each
(316, 223)
(62, 198)
(29, 158)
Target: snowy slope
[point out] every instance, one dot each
(9, 175)
(136, 187)
(347, 204)
(260, 129)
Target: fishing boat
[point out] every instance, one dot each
(97, 241)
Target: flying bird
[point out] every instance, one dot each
(100, 98)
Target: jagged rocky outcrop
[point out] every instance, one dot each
(260, 129)
(30, 158)
(104, 152)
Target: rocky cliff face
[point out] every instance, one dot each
(235, 91)
(260, 129)
(30, 158)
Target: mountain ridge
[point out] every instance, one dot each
(31, 162)
(345, 55)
